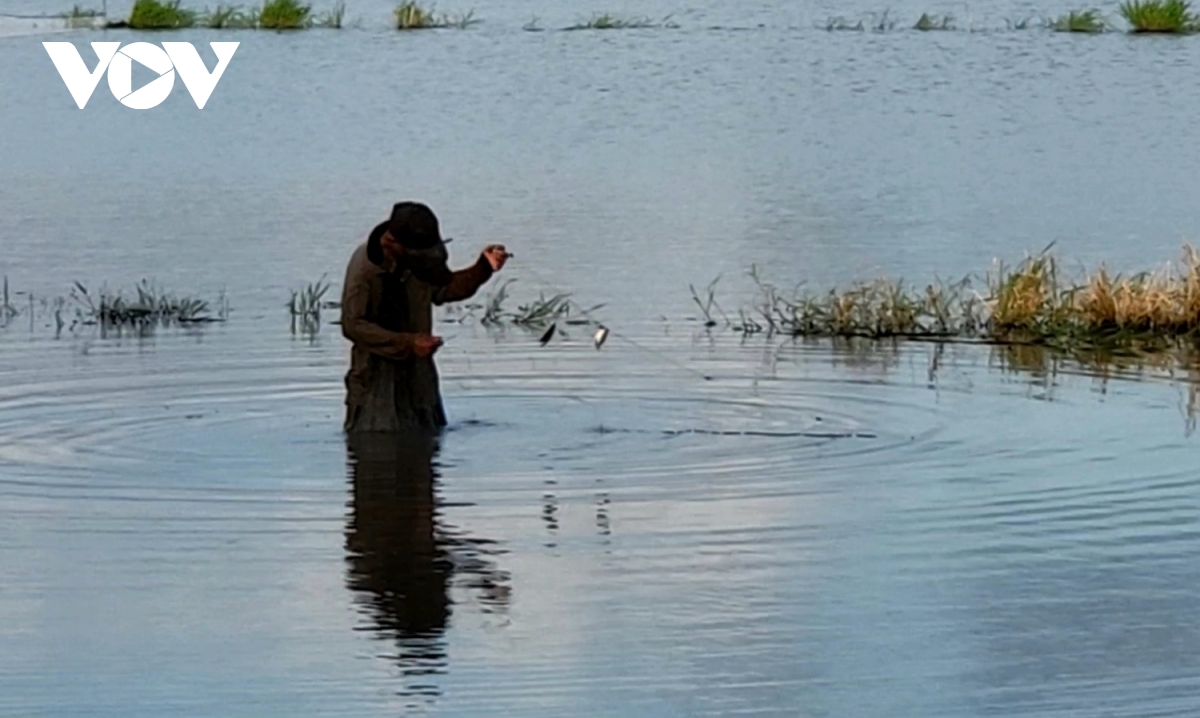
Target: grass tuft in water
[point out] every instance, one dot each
(80, 12)
(220, 18)
(1160, 16)
(842, 24)
(148, 305)
(608, 21)
(283, 15)
(413, 16)
(1030, 302)
(708, 303)
(882, 22)
(305, 307)
(543, 311)
(536, 314)
(81, 17)
(934, 22)
(155, 15)
(1084, 21)
(332, 19)
(229, 17)
(7, 311)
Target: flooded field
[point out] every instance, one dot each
(819, 528)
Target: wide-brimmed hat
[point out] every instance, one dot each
(412, 224)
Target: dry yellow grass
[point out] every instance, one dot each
(1029, 302)
(1166, 301)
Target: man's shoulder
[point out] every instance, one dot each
(360, 263)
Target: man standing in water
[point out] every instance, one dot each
(392, 283)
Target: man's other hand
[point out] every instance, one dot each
(425, 345)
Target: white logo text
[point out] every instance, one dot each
(172, 57)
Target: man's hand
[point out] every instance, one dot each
(425, 345)
(496, 255)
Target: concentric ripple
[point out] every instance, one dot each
(809, 525)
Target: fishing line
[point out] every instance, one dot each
(636, 345)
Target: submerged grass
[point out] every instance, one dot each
(608, 21)
(7, 311)
(708, 303)
(842, 24)
(146, 305)
(1084, 21)
(79, 12)
(331, 19)
(536, 314)
(881, 22)
(1030, 302)
(155, 15)
(140, 310)
(1160, 16)
(305, 306)
(81, 17)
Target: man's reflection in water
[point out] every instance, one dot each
(403, 560)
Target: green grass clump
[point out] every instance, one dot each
(607, 21)
(934, 22)
(1088, 21)
(155, 15)
(1160, 16)
(283, 15)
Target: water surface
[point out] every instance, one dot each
(819, 529)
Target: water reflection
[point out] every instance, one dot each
(404, 560)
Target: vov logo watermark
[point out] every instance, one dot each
(163, 61)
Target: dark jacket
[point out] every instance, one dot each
(383, 308)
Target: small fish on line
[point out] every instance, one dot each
(600, 336)
(548, 335)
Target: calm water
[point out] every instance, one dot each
(820, 530)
